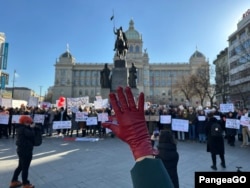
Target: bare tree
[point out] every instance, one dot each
(211, 93)
(222, 81)
(184, 86)
(201, 82)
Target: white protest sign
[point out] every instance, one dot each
(74, 103)
(232, 123)
(98, 104)
(18, 103)
(15, 118)
(98, 97)
(81, 116)
(6, 102)
(154, 118)
(217, 117)
(207, 111)
(201, 118)
(103, 117)
(33, 101)
(244, 120)
(165, 119)
(39, 118)
(45, 104)
(105, 103)
(91, 121)
(229, 107)
(61, 124)
(180, 125)
(4, 119)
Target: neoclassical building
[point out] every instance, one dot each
(76, 79)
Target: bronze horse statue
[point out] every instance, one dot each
(121, 44)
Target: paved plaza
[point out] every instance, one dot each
(105, 163)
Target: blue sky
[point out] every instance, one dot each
(38, 32)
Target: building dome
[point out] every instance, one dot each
(197, 54)
(66, 55)
(131, 33)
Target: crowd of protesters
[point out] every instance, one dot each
(196, 130)
(52, 114)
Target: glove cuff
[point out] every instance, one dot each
(143, 149)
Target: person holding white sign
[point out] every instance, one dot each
(181, 114)
(230, 132)
(62, 115)
(4, 121)
(200, 123)
(245, 129)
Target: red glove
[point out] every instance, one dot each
(131, 127)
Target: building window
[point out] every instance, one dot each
(77, 73)
(93, 82)
(63, 81)
(163, 82)
(137, 49)
(157, 82)
(87, 82)
(131, 48)
(80, 92)
(92, 93)
(82, 73)
(86, 93)
(88, 73)
(81, 82)
(157, 73)
(63, 72)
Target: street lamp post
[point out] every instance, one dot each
(171, 87)
(13, 86)
(40, 93)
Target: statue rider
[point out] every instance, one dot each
(120, 36)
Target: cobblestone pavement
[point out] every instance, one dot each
(106, 163)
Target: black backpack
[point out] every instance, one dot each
(38, 136)
(216, 129)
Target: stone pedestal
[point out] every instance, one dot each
(105, 93)
(135, 92)
(119, 75)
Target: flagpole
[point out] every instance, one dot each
(113, 18)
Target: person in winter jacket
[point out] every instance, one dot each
(215, 144)
(168, 154)
(25, 144)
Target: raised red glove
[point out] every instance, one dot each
(131, 127)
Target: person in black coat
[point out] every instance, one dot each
(169, 155)
(215, 144)
(200, 123)
(25, 143)
(62, 116)
(230, 132)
